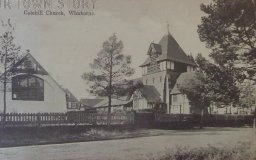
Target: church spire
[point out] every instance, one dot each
(168, 27)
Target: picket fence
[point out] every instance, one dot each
(72, 118)
(122, 118)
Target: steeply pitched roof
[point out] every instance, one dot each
(150, 93)
(90, 102)
(182, 78)
(70, 96)
(171, 50)
(137, 80)
(36, 69)
(28, 64)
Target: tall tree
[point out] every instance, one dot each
(220, 82)
(229, 30)
(211, 83)
(110, 68)
(247, 95)
(9, 53)
(196, 91)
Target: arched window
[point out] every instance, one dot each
(27, 87)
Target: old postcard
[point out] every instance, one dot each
(127, 79)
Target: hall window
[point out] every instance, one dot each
(27, 87)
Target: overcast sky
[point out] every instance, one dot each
(65, 45)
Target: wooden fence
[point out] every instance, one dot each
(228, 118)
(169, 118)
(122, 118)
(100, 118)
(73, 118)
(207, 119)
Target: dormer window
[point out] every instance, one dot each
(154, 51)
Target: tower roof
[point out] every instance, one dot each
(171, 50)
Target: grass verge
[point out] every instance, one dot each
(241, 151)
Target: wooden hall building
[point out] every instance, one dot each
(31, 89)
(165, 63)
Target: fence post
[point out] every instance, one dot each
(3, 120)
(38, 120)
(94, 119)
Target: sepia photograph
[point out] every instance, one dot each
(127, 80)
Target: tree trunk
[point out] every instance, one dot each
(5, 82)
(109, 110)
(231, 106)
(110, 90)
(201, 118)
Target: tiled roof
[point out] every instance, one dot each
(90, 102)
(137, 80)
(171, 50)
(182, 78)
(70, 96)
(150, 93)
(29, 57)
(114, 102)
(146, 62)
(175, 90)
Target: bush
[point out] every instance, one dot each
(101, 133)
(242, 151)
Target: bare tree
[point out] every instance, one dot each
(9, 53)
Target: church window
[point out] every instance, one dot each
(144, 70)
(164, 65)
(153, 67)
(174, 98)
(172, 65)
(27, 87)
(168, 65)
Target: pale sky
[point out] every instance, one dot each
(65, 45)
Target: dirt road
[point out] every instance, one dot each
(128, 149)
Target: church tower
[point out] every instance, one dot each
(166, 61)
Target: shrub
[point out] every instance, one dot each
(241, 151)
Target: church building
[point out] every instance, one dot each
(166, 62)
(31, 89)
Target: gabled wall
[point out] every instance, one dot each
(54, 99)
(139, 102)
